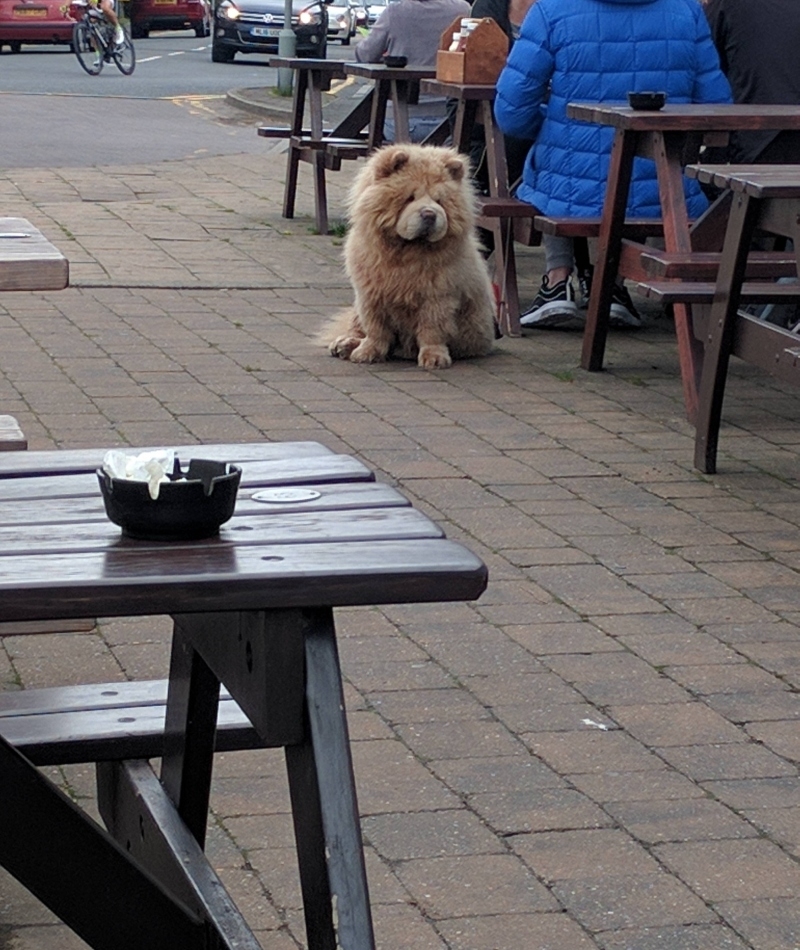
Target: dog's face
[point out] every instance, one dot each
(412, 193)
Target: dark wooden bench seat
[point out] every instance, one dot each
(105, 722)
(304, 141)
(284, 132)
(634, 228)
(694, 265)
(680, 291)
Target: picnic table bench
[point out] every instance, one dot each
(253, 664)
(763, 198)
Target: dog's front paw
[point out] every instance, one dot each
(368, 352)
(434, 357)
(343, 346)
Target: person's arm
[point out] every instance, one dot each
(710, 84)
(376, 42)
(523, 83)
(716, 20)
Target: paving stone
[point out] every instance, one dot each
(690, 937)
(769, 924)
(676, 724)
(733, 870)
(679, 820)
(620, 903)
(474, 885)
(704, 762)
(430, 834)
(553, 931)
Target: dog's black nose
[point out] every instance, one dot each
(428, 216)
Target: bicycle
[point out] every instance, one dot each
(93, 43)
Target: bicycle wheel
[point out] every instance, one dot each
(86, 47)
(124, 55)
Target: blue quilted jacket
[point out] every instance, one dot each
(599, 50)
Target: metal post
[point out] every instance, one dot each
(287, 46)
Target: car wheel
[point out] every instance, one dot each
(15, 46)
(203, 28)
(221, 54)
(139, 32)
(346, 40)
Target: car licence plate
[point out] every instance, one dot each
(264, 31)
(30, 12)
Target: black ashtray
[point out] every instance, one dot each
(192, 504)
(395, 62)
(647, 101)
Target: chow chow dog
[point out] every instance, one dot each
(422, 290)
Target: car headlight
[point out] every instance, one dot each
(228, 10)
(309, 16)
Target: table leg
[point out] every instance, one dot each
(400, 97)
(721, 327)
(324, 806)
(608, 249)
(377, 119)
(77, 870)
(466, 114)
(668, 155)
(189, 731)
(293, 161)
(357, 119)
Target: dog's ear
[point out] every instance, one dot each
(456, 168)
(389, 161)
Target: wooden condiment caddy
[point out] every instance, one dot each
(482, 58)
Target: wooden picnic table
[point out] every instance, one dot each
(398, 85)
(252, 610)
(764, 198)
(668, 137)
(28, 261)
(314, 144)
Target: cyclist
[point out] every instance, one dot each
(107, 6)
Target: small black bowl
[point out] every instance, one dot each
(647, 101)
(191, 505)
(395, 62)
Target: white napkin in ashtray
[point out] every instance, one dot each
(150, 467)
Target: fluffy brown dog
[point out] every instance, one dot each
(421, 286)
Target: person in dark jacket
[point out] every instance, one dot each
(758, 46)
(508, 14)
(597, 50)
(759, 50)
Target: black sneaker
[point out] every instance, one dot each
(623, 313)
(553, 306)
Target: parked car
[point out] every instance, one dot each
(344, 19)
(34, 21)
(253, 26)
(340, 22)
(147, 15)
(374, 9)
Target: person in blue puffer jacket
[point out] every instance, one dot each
(596, 50)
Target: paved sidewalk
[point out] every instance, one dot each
(600, 753)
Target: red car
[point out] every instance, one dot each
(34, 21)
(147, 15)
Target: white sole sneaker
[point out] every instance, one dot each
(553, 314)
